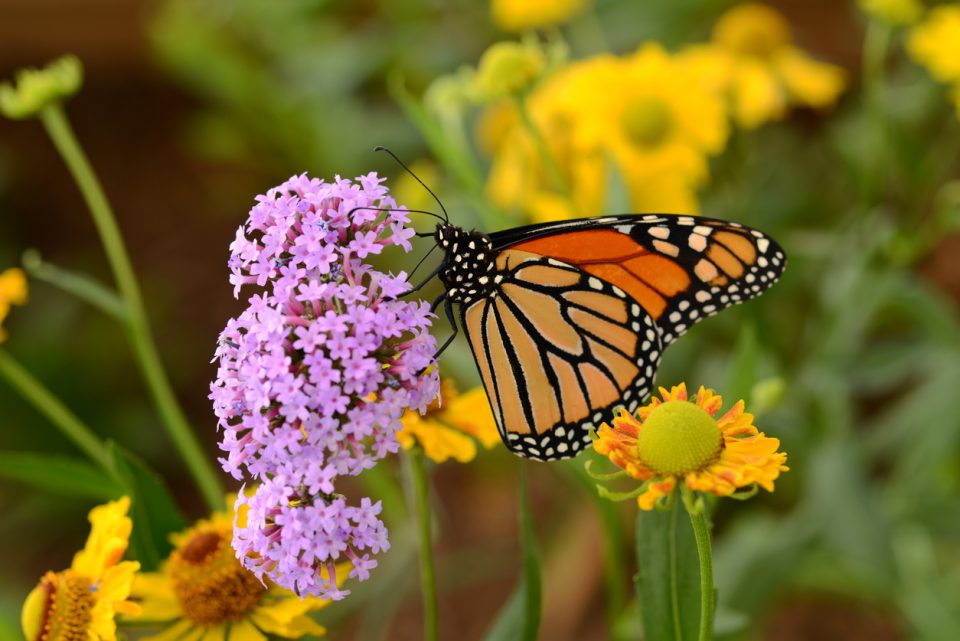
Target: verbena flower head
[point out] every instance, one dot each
(13, 291)
(450, 429)
(323, 363)
(81, 602)
(202, 590)
(315, 374)
(678, 440)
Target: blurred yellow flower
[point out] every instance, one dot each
(656, 121)
(509, 69)
(752, 61)
(896, 12)
(81, 603)
(935, 43)
(524, 15)
(647, 116)
(13, 291)
(448, 431)
(674, 439)
(202, 593)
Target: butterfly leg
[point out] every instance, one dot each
(426, 280)
(448, 308)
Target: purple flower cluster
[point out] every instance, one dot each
(315, 373)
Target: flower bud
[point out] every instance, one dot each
(36, 89)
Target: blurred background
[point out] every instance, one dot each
(192, 107)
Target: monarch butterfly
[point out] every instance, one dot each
(568, 320)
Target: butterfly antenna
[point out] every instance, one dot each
(425, 257)
(446, 216)
(404, 210)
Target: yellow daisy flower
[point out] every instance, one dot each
(13, 291)
(657, 121)
(751, 60)
(935, 43)
(646, 115)
(895, 12)
(448, 431)
(81, 603)
(202, 593)
(674, 439)
(524, 15)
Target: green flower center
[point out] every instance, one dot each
(678, 437)
(647, 121)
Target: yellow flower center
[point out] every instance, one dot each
(678, 437)
(59, 608)
(753, 30)
(209, 582)
(647, 121)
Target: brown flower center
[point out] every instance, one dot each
(68, 603)
(209, 582)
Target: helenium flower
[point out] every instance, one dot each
(316, 372)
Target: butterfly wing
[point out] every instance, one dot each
(558, 349)
(681, 269)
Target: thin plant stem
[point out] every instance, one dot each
(428, 580)
(674, 570)
(137, 325)
(549, 161)
(875, 48)
(45, 402)
(708, 592)
(532, 580)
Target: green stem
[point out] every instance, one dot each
(45, 402)
(137, 326)
(532, 580)
(428, 581)
(708, 592)
(875, 47)
(674, 571)
(549, 161)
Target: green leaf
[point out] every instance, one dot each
(58, 474)
(519, 619)
(154, 512)
(668, 577)
(84, 287)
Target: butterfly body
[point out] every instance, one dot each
(568, 321)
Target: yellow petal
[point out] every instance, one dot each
(809, 82)
(757, 97)
(182, 630)
(470, 412)
(13, 287)
(152, 585)
(242, 630)
(655, 490)
(109, 536)
(278, 618)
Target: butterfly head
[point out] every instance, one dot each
(468, 271)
